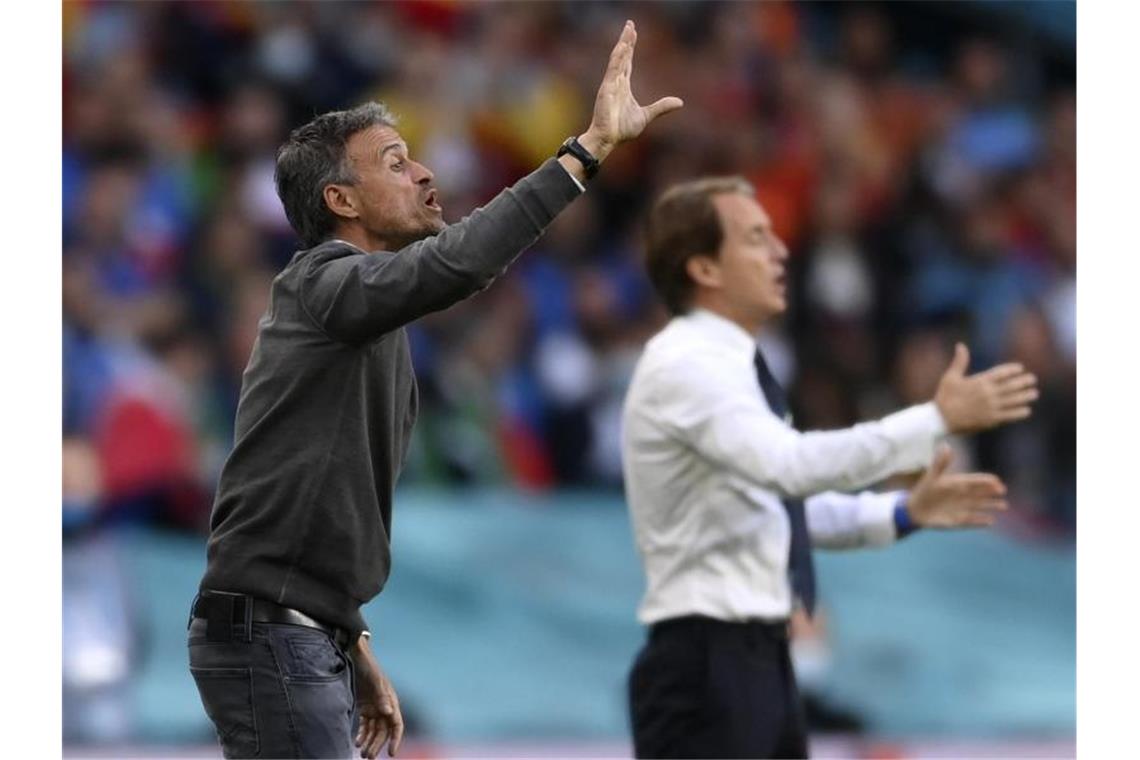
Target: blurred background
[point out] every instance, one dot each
(918, 158)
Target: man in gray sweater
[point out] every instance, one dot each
(299, 535)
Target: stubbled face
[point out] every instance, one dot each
(393, 195)
(751, 272)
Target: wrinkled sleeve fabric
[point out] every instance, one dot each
(361, 297)
(852, 521)
(718, 410)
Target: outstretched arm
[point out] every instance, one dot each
(722, 415)
(355, 297)
(940, 499)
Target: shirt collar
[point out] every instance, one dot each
(722, 330)
(350, 245)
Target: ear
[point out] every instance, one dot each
(704, 270)
(341, 200)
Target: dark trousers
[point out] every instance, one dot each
(704, 688)
(275, 690)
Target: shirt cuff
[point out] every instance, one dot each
(581, 187)
(915, 431)
(877, 518)
(904, 525)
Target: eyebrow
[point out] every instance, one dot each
(392, 146)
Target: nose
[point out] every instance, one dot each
(423, 175)
(780, 250)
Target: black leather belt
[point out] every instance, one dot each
(223, 610)
(773, 629)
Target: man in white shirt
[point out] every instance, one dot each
(715, 475)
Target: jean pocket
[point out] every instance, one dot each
(312, 656)
(227, 695)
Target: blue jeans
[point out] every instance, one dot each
(275, 690)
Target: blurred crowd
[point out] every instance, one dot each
(920, 162)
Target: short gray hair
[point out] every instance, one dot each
(314, 157)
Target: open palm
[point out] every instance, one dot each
(617, 115)
(943, 499)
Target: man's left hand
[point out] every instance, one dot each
(380, 718)
(944, 499)
(618, 116)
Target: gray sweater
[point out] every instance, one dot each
(303, 514)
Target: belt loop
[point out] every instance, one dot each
(193, 606)
(220, 617)
(248, 630)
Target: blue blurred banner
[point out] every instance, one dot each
(510, 617)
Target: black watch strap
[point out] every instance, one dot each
(575, 149)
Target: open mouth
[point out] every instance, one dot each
(431, 201)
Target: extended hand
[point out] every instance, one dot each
(995, 397)
(380, 718)
(617, 115)
(955, 500)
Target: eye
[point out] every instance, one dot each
(398, 166)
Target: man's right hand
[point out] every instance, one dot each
(617, 115)
(998, 396)
(942, 499)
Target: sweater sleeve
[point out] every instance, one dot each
(360, 297)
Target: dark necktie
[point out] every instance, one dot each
(800, 565)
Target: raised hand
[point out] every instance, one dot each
(617, 115)
(998, 396)
(955, 500)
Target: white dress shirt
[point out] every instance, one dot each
(707, 464)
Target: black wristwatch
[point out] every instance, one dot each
(575, 149)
